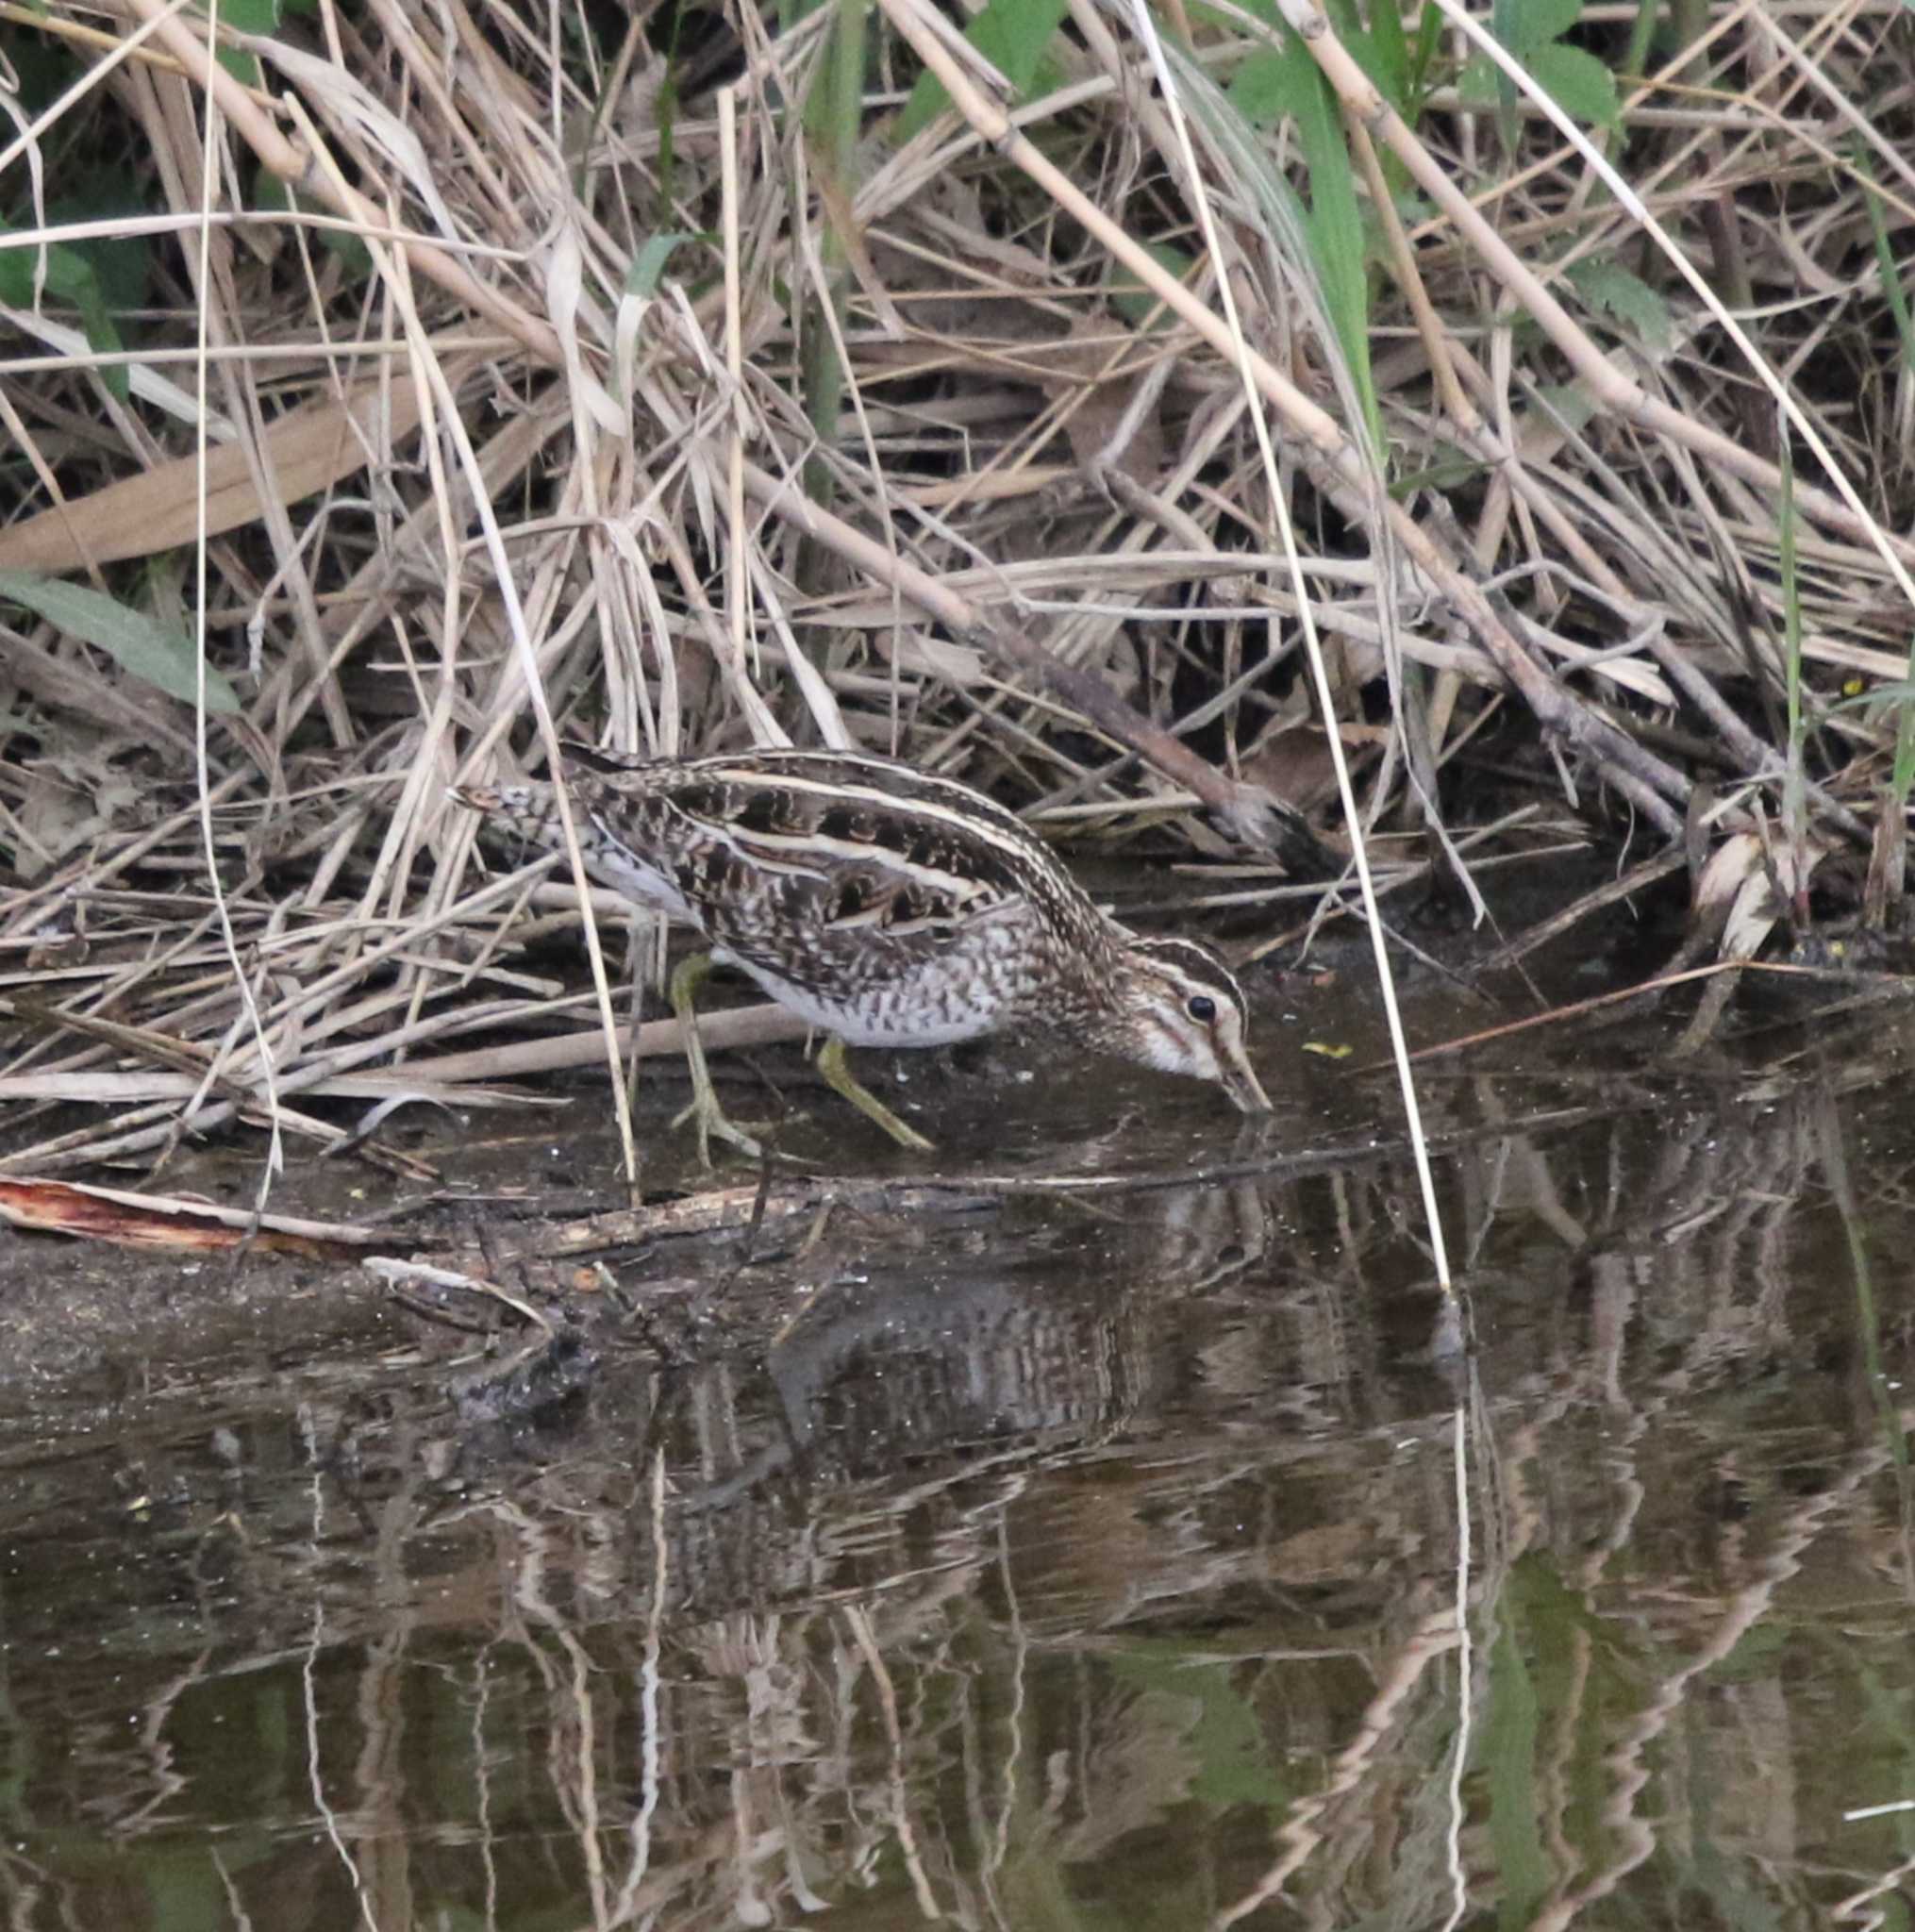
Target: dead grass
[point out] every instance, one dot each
(669, 399)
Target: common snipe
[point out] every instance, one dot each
(886, 906)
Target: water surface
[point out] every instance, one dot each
(1087, 1560)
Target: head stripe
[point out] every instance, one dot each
(1197, 961)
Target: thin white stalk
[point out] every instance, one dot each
(1459, 1757)
(1399, 1044)
(275, 1150)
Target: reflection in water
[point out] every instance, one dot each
(1068, 1563)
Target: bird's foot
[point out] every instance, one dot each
(839, 1076)
(713, 1123)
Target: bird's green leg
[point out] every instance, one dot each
(710, 1117)
(839, 1076)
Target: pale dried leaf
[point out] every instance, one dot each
(307, 450)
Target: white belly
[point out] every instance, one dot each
(923, 1011)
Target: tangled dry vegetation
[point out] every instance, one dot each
(679, 378)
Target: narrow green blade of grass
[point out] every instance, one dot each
(1430, 38)
(1336, 232)
(1268, 87)
(151, 651)
(1390, 49)
(647, 270)
(1893, 292)
(1902, 773)
(834, 111)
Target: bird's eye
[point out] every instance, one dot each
(1200, 1006)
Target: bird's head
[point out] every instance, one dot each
(1177, 1008)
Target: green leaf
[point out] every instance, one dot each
(241, 65)
(1012, 35)
(141, 645)
(1447, 471)
(1477, 83)
(1378, 49)
(272, 197)
(1267, 88)
(1532, 31)
(1429, 34)
(1137, 305)
(1533, 24)
(1388, 64)
(1509, 1750)
(649, 265)
(123, 263)
(1287, 81)
(102, 334)
(246, 17)
(1506, 23)
(1336, 227)
(1625, 296)
(68, 273)
(1579, 83)
(1568, 400)
(1200, 1715)
(70, 277)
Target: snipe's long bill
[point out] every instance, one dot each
(887, 908)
